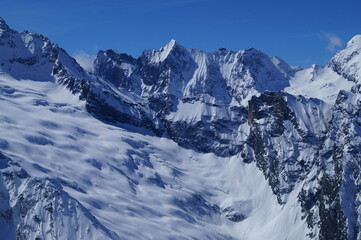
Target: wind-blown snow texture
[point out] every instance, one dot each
(177, 144)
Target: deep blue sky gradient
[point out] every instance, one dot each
(293, 30)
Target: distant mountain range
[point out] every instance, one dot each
(177, 144)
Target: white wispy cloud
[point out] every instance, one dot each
(333, 41)
(85, 60)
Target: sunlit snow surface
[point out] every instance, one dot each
(318, 82)
(136, 184)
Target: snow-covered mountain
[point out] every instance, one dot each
(177, 144)
(198, 98)
(325, 82)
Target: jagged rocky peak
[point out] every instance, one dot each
(222, 50)
(110, 60)
(166, 70)
(355, 41)
(171, 50)
(347, 62)
(112, 55)
(169, 46)
(261, 72)
(259, 56)
(172, 46)
(283, 67)
(28, 55)
(117, 68)
(5, 30)
(187, 73)
(25, 54)
(33, 41)
(3, 25)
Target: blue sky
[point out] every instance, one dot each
(301, 32)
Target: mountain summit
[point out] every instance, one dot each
(347, 62)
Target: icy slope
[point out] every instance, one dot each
(125, 178)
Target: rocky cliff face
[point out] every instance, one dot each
(299, 127)
(286, 136)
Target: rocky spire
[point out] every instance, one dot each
(3, 25)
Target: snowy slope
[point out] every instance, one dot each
(318, 82)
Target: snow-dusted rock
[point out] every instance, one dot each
(35, 208)
(347, 62)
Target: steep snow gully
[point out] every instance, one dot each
(177, 144)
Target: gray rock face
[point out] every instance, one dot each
(281, 138)
(330, 173)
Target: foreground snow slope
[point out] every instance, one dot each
(127, 177)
